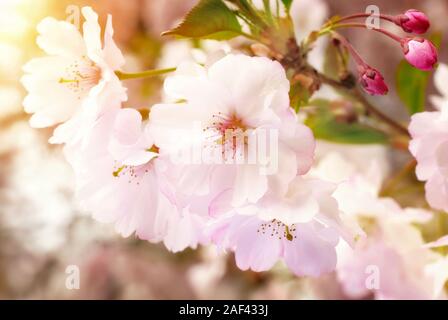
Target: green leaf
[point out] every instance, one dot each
(299, 96)
(209, 19)
(332, 63)
(411, 86)
(287, 4)
(326, 126)
(412, 83)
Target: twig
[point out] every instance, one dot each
(369, 107)
(392, 183)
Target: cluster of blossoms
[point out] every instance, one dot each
(125, 168)
(226, 160)
(390, 243)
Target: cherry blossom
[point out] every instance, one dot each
(78, 67)
(440, 80)
(122, 182)
(302, 229)
(251, 102)
(389, 261)
(389, 258)
(429, 145)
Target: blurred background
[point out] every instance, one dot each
(42, 231)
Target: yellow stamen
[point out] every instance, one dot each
(116, 173)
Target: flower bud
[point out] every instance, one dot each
(372, 81)
(420, 53)
(413, 21)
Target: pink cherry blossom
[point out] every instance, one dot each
(120, 180)
(440, 80)
(78, 66)
(429, 145)
(401, 274)
(302, 228)
(390, 260)
(217, 99)
(420, 53)
(130, 142)
(307, 249)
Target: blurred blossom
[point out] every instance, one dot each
(440, 81)
(10, 99)
(39, 190)
(275, 290)
(123, 273)
(338, 163)
(11, 59)
(12, 24)
(429, 144)
(17, 20)
(162, 15)
(386, 240)
(307, 16)
(125, 16)
(176, 52)
(206, 275)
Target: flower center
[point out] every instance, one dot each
(134, 174)
(223, 123)
(278, 230)
(228, 133)
(81, 76)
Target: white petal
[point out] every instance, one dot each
(60, 38)
(92, 34)
(441, 79)
(254, 85)
(112, 54)
(250, 185)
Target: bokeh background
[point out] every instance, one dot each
(41, 229)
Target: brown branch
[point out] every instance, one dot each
(369, 107)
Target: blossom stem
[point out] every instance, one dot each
(359, 60)
(391, 184)
(248, 36)
(361, 15)
(369, 107)
(361, 25)
(144, 74)
(373, 110)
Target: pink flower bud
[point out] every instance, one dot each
(420, 53)
(372, 81)
(414, 21)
